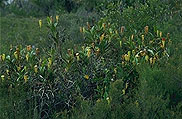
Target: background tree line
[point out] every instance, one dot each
(45, 7)
(50, 7)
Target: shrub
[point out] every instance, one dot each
(115, 74)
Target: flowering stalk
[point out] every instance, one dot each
(146, 29)
(120, 43)
(88, 25)
(27, 57)
(132, 37)
(163, 42)
(29, 47)
(122, 29)
(25, 78)
(142, 38)
(151, 60)
(77, 56)
(97, 51)
(57, 18)
(157, 33)
(147, 58)
(89, 52)
(36, 68)
(49, 62)
(16, 55)
(2, 77)
(104, 26)
(160, 34)
(40, 23)
(3, 57)
(81, 30)
(101, 37)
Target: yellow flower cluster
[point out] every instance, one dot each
(127, 56)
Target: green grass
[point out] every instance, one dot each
(24, 31)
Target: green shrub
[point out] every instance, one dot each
(120, 71)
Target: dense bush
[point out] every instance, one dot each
(125, 69)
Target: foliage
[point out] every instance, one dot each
(123, 69)
(54, 79)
